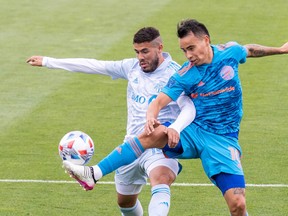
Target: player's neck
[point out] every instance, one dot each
(210, 55)
(161, 60)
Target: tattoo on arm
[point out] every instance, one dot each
(256, 51)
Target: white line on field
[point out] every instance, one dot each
(110, 183)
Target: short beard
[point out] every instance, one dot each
(153, 66)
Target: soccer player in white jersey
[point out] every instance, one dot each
(146, 76)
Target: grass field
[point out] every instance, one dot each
(38, 106)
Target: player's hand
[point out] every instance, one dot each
(151, 123)
(35, 61)
(284, 48)
(173, 137)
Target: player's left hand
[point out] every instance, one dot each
(151, 123)
(173, 137)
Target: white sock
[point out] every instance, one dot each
(136, 210)
(160, 200)
(97, 172)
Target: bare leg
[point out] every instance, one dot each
(235, 198)
(157, 139)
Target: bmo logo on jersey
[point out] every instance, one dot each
(141, 99)
(152, 98)
(147, 96)
(138, 98)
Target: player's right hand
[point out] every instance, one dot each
(284, 48)
(35, 61)
(173, 137)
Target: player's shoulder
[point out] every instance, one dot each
(231, 45)
(172, 67)
(187, 75)
(171, 64)
(174, 64)
(231, 49)
(187, 67)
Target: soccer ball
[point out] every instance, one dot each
(76, 147)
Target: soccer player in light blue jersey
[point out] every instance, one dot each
(210, 78)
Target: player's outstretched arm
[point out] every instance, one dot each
(256, 50)
(35, 61)
(115, 69)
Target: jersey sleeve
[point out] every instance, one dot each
(185, 80)
(173, 89)
(114, 69)
(239, 51)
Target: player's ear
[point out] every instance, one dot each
(207, 39)
(160, 47)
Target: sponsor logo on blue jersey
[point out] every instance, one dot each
(227, 72)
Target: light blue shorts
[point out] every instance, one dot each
(218, 153)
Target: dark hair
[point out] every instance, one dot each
(146, 34)
(191, 25)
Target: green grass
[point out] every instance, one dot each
(38, 106)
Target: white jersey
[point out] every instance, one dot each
(142, 87)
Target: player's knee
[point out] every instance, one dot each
(126, 201)
(125, 204)
(238, 206)
(162, 176)
(164, 179)
(236, 203)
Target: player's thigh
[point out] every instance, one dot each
(157, 139)
(130, 189)
(221, 154)
(130, 178)
(154, 158)
(128, 182)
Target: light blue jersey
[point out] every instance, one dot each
(215, 89)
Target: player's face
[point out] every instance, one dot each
(149, 55)
(196, 49)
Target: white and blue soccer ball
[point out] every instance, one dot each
(76, 147)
